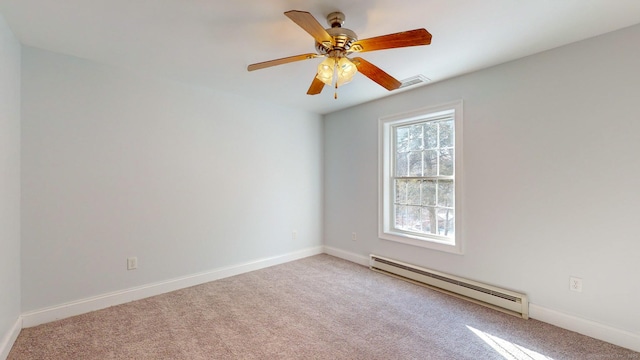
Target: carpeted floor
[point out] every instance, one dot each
(315, 308)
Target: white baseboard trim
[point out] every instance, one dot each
(590, 328)
(347, 255)
(41, 316)
(6, 343)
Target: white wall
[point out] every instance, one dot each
(551, 166)
(9, 184)
(186, 179)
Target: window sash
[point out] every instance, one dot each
(420, 224)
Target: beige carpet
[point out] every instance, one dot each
(316, 308)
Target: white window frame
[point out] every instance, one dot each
(386, 145)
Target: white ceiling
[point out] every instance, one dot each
(210, 43)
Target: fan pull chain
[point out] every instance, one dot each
(335, 76)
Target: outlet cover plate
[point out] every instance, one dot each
(132, 263)
(575, 284)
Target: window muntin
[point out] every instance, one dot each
(420, 185)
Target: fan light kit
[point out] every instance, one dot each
(337, 43)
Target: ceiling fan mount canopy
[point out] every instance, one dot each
(341, 38)
(336, 19)
(337, 43)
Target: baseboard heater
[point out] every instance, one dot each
(499, 299)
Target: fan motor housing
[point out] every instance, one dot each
(342, 37)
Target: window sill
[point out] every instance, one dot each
(432, 244)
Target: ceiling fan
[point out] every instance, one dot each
(337, 43)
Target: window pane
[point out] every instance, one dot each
(402, 139)
(413, 192)
(413, 218)
(445, 193)
(445, 222)
(415, 137)
(401, 191)
(431, 135)
(446, 162)
(430, 162)
(400, 215)
(415, 163)
(401, 164)
(429, 224)
(428, 193)
(446, 133)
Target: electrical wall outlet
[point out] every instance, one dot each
(294, 235)
(132, 263)
(354, 236)
(575, 284)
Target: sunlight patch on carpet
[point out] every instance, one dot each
(508, 349)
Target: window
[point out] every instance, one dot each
(420, 187)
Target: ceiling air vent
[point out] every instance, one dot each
(414, 80)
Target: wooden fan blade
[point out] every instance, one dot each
(376, 74)
(316, 87)
(286, 60)
(397, 40)
(309, 24)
